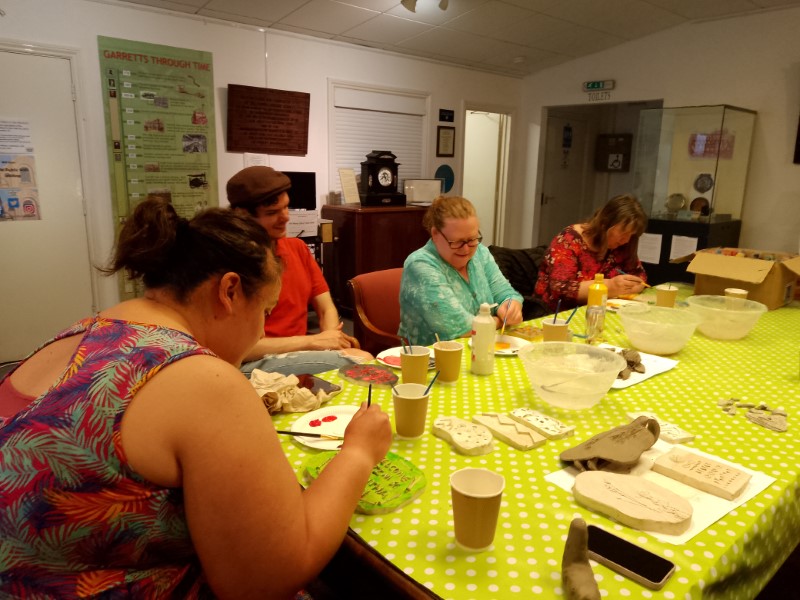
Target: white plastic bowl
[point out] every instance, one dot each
(570, 375)
(658, 329)
(726, 318)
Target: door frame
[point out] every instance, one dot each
(71, 55)
(505, 133)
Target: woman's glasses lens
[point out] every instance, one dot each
(471, 243)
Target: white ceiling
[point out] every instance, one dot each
(508, 37)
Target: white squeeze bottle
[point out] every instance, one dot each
(483, 332)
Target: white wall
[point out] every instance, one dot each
(752, 62)
(747, 61)
(295, 63)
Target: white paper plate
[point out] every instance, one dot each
(614, 304)
(653, 365)
(314, 422)
(394, 357)
(514, 344)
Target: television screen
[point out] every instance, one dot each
(304, 189)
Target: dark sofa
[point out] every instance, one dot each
(521, 268)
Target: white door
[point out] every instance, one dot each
(485, 169)
(563, 180)
(45, 270)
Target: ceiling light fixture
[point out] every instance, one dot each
(412, 4)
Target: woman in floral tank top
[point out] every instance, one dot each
(144, 464)
(606, 244)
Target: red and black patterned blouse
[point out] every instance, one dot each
(569, 261)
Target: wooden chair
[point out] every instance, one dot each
(376, 309)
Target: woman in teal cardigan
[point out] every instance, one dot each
(445, 282)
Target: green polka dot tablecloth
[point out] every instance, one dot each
(733, 558)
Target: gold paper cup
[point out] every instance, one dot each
(448, 360)
(410, 410)
(476, 495)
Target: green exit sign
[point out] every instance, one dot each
(596, 86)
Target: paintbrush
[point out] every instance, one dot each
(505, 317)
(369, 396)
(323, 436)
(428, 389)
(643, 282)
(572, 314)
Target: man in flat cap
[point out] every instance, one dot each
(263, 192)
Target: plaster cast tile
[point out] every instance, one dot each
(548, 426)
(633, 501)
(669, 431)
(702, 473)
(465, 437)
(510, 431)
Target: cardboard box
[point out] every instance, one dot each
(768, 277)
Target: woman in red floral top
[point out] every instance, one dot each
(606, 244)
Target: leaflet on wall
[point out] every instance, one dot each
(682, 245)
(19, 195)
(650, 248)
(159, 110)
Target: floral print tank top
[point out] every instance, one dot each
(75, 519)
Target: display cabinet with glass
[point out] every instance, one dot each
(691, 162)
(690, 168)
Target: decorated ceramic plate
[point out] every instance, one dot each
(391, 358)
(653, 365)
(366, 374)
(506, 345)
(703, 182)
(393, 483)
(700, 205)
(330, 420)
(676, 202)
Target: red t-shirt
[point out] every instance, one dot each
(302, 280)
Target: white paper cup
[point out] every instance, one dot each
(734, 298)
(555, 331)
(476, 495)
(666, 295)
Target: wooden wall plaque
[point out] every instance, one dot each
(267, 121)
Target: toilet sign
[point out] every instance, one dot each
(615, 162)
(605, 85)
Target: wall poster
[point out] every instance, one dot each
(159, 110)
(19, 195)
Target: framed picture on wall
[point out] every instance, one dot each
(445, 141)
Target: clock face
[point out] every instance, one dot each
(385, 177)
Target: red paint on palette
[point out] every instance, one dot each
(329, 418)
(315, 423)
(392, 360)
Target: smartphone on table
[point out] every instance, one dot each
(628, 559)
(315, 384)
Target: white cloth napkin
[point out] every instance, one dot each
(281, 393)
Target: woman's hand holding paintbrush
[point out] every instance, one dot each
(624, 284)
(509, 313)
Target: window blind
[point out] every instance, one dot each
(361, 127)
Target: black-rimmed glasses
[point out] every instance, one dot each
(472, 242)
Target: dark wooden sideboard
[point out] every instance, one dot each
(708, 235)
(366, 239)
